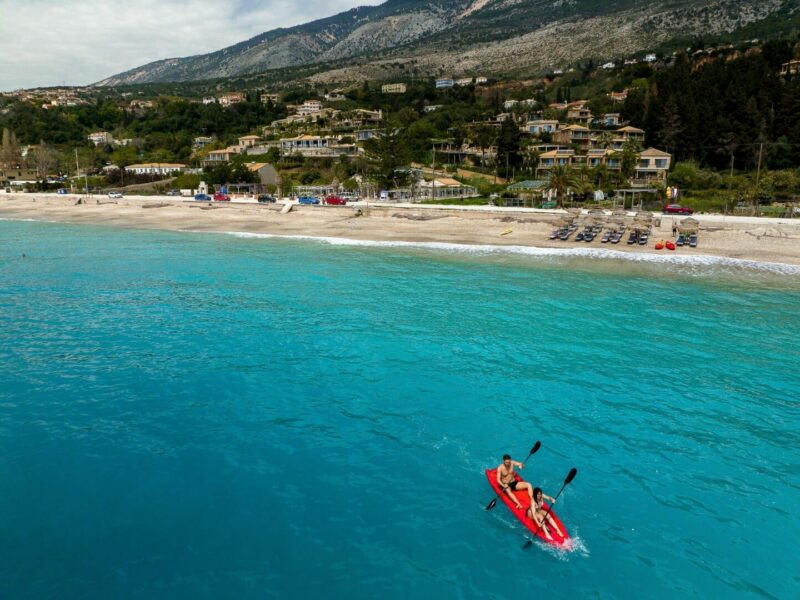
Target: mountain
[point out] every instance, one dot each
(467, 36)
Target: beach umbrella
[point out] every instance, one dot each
(574, 211)
(620, 212)
(597, 212)
(689, 226)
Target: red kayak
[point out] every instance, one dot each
(522, 496)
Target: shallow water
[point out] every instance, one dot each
(187, 415)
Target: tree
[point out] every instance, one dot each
(630, 158)
(387, 153)
(508, 145)
(45, 159)
(562, 180)
(483, 138)
(9, 151)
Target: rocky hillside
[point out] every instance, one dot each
(460, 36)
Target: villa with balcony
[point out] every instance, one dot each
(651, 168)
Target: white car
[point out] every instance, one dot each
(115, 194)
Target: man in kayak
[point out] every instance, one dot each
(506, 479)
(536, 513)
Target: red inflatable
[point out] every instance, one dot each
(522, 496)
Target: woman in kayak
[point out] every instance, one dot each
(536, 513)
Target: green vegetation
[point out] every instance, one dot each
(729, 120)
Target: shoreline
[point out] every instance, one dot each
(745, 241)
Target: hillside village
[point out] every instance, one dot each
(462, 139)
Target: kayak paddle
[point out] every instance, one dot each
(570, 477)
(533, 451)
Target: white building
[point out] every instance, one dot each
(464, 82)
(608, 66)
(481, 80)
(651, 58)
(209, 100)
(444, 83)
(394, 88)
(266, 97)
(155, 168)
(309, 107)
(227, 100)
(100, 138)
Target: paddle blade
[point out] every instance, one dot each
(571, 475)
(535, 448)
(491, 504)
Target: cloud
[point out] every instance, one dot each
(50, 42)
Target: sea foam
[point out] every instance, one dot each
(703, 261)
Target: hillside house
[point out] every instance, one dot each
(599, 156)
(444, 83)
(790, 68)
(231, 99)
(394, 88)
(266, 98)
(267, 175)
(316, 146)
(309, 107)
(248, 141)
(540, 126)
(618, 97)
(100, 138)
(579, 114)
(652, 168)
(628, 134)
(201, 142)
(573, 134)
(561, 157)
(220, 157)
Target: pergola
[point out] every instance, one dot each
(635, 194)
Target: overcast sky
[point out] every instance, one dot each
(50, 42)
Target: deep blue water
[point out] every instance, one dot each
(203, 416)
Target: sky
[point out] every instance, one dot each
(77, 42)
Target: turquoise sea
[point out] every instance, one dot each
(211, 416)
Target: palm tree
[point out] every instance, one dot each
(583, 182)
(605, 140)
(561, 179)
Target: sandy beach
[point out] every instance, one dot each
(748, 238)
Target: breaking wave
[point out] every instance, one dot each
(703, 261)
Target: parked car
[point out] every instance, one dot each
(265, 198)
(115, 194)
(308, 200)
(677, 209)
(220, 197)
(62, 191)
(336, 200)
(202, 197)
(173, 193)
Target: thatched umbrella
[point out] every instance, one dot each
(574, 211)
(620, 212)
(597, 212)
(689, 225)
(563, 222)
